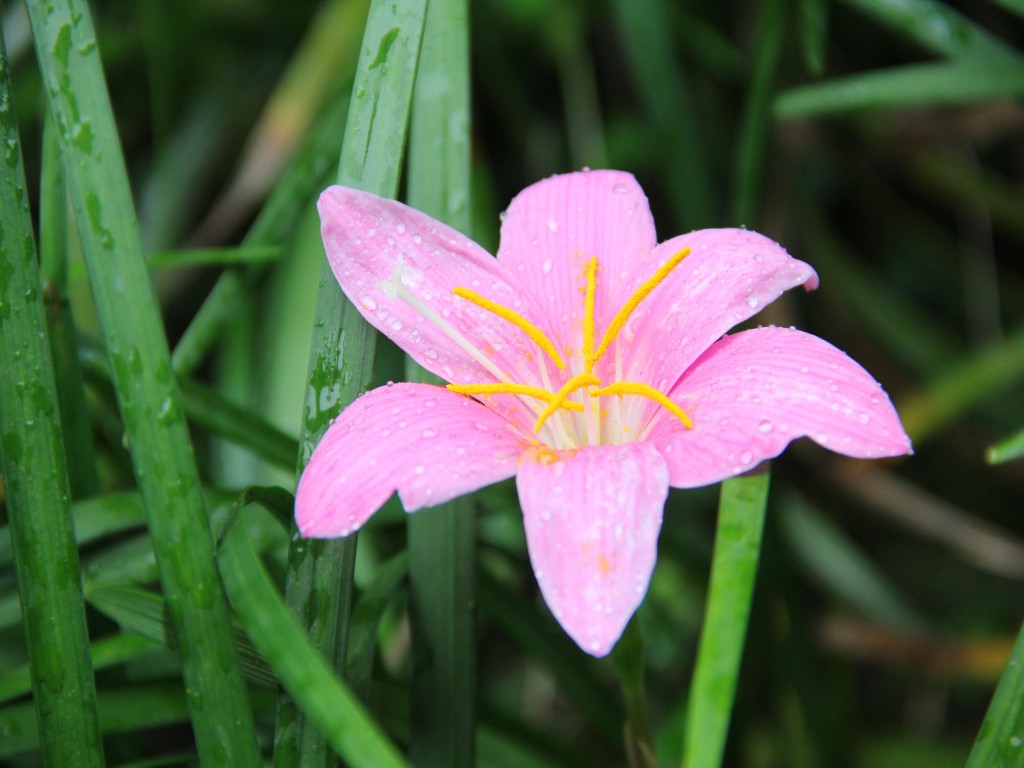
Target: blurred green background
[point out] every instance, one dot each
(883, 143)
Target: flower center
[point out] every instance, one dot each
(559, 401)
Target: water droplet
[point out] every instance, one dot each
(746, 458)
(764, 427)
(619, 189)
(552, 225)
(752, 302)
(419, 469)
(429, 433)
(369, 303)
(546, 266)
(864, 418)
(400, 228)
(804, 369)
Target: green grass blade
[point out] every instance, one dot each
(303, 671)
(36, 481)
(814, 34)
(917, 85)
(733, 573)
(1000, 740)
(936, 27)
(442, 541)
(148, 398)
(53, 245)
(1006, 450)
(753, 137)
(319, 586)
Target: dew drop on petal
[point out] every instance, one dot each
(552, 225)
(369, 303)
(764, 427)
(419, 469)
(746, 458)
(864, 418)
(400, 228)
(429, 433)
(546, 266)
(752, 302)
(619, 189)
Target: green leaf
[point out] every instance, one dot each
(303, 671)
(319, 585)
(150, 403)
(1000, 741)
(741, 514)
(913, 86)
(442, 540)
(35, 479)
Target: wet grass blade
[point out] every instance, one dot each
(319, 585)
(1006, 450)
(147, 395)
(442, 541)
(304, 672)
(36, 481)
(741, 514)
(1001, 737)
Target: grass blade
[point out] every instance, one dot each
(148, 398)
(442, 541)
(733, 573)
(1006, 450)
(1001, 737)
(917, 85)
(36, 481)
(319, 585)
(303, 671)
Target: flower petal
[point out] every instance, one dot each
(752, 393)
(385, 254)
(554, 227)
(728, 276)
(423, 441)
(592, 520)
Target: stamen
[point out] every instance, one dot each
(510, 389)
(576, 382)
(588, 316)
(636, 388)
(516, 319)
(634, 301)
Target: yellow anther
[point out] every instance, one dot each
(634, 301)
(636, 388)
(576, 382)
(516, 319)
(510, 389)
(588, 316)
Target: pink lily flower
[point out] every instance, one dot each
(588, 361)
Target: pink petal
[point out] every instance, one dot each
(592, 520)
(376, 245)
(554, 227)
(752, 393)
(728, 276)
(423, 441)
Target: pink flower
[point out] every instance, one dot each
(586, 360)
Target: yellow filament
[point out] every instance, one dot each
(588, 316)
(510, 389)
(634, 301)
(636, 388)
(516, 319)
(576, 382)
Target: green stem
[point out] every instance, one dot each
(36, 482)
(741, 513)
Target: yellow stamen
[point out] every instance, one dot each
(576, 382)
(634, 301)
(588, 316)
(516, 319)
(636, 388)
(510, 389)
